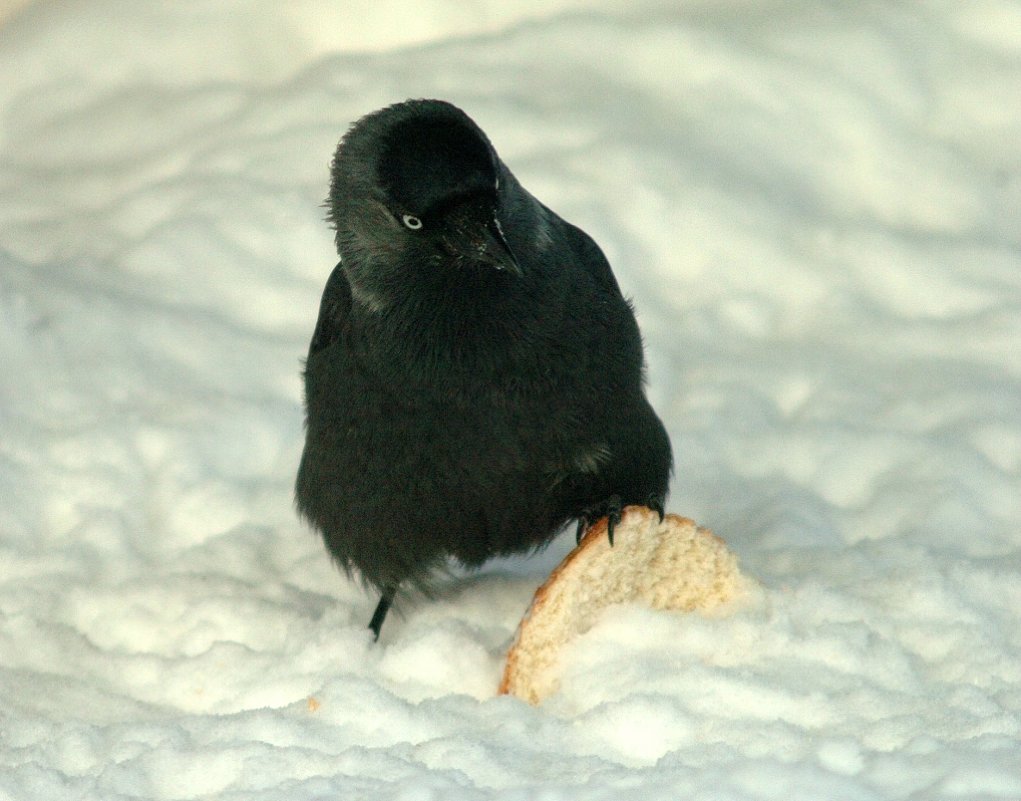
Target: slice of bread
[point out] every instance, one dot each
(673, 564)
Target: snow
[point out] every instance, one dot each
(815, 208)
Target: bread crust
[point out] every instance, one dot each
(674, 564)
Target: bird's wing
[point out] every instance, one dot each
(333, 311)
(591, 256)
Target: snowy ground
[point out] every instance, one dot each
(815, 207)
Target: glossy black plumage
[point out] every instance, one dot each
(475, 378)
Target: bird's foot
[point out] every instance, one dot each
(611, 509)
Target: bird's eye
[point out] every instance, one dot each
(411, 221)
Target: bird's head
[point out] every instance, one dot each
(417, 186)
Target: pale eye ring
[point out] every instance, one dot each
(411, 221)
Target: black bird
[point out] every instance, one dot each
(476, 379)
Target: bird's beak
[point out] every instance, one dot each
(475, 236)
(494, 249)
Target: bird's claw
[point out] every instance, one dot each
(655, 502)
(611, 509)
(614, 509)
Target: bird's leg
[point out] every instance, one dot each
(655, 502)
(385, 600)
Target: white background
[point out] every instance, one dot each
(816, 208)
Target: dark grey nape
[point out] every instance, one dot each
(475, 378)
